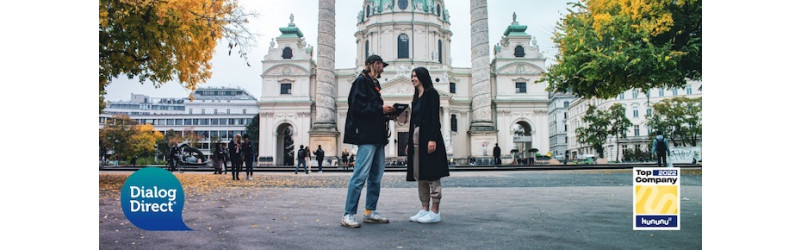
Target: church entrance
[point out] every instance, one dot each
(285, 146)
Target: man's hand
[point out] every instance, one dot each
(388, 109)
(432, 146)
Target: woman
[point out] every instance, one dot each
(428, 147)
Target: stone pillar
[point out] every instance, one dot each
(266, 138)
(482, 130)
(324, 129)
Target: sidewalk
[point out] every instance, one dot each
(473, 217)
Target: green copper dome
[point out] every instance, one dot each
(515, 29)
(291, 30)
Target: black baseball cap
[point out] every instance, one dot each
(375, 58)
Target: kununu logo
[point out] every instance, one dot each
(153, 199)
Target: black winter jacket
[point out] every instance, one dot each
(365, 122)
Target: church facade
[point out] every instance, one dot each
(497, 100)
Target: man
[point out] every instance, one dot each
(367, 126)
(247, 154)
(660, 147)
(320, 154)
(172, 158)
(301, 160)
(235, 150)
(496, 153)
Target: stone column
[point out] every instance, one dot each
(324, 129)
(482, 130)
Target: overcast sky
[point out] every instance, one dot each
(540, 16)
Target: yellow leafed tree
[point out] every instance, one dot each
(143, 141)
(164, 40)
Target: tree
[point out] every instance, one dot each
(619, 124)
(596, 131)
(143, 141)
(679, 119)
(162, 41)
(163, 145)
(191, 137)
(252, 129)
(609, 46)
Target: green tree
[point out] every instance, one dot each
(597, 129)
(679, 119)
(127, 138)
(163, 145)
(162, 41)
(619, 124)
(252, 129)
(609, 46)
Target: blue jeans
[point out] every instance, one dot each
(301, 161)
(369, 167)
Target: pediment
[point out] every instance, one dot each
(521, 68)
(398, 86)
(285, 70)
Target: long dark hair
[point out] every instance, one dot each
(425, 79)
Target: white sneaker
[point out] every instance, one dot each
(419, 215)
(431, 217)
(349, 221)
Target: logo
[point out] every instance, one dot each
(656, 199)
(153, 199)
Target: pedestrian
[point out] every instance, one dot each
(567, 156)
(320, 154)
(366, 125)
(116, 160)
(301, 160)
(172, 158)
(226, 158)
(345, 156)
(496, 153)
(133, 161)
(661, 149)
(247, 157)
(235, 150)
(429, 162)
(217, 158)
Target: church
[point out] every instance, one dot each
(496, 100)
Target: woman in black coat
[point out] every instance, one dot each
(427, 159)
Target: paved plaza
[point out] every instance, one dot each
(574, 209)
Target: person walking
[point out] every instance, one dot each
(301, 160)
(429, 162)
(496, 153)
(247, 157)
(235, 150)
(366, 125)
(345, 156)
(661, 149)
(320, 155)
(217, 158)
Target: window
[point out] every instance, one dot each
(689, 90)
(567, 104)
(230, 134)
(287, 53)
(368, 10)
(634, 93)
(170, 122)
(215, 111)
(565, 115)
(366, 49)
(244, 111)
(519, 51)
(675, 91)
(190, 111)
(454, 123)
(228, 111)
(636, 113)
(213, 134)
(204, 121)
(402, 4)
(223, 121)
(453, 88)
(520, 87)
(661, 92)
(215, 121)
(187, 122)
(438, 10)
(623, 96)
(636, 130)
(231, 121)
(439, 48)
(286, 89)
(195, 121)
(565, 127)
(403, 46)
(648, 112)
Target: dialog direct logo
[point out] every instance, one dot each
(153, 199)
(656, 199)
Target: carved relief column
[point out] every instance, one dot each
(482, 130)
(324, 129)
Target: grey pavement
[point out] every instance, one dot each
(481, 210)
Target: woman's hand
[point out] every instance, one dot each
(432, 146)
(407, 150)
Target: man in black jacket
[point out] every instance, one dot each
(320, 154)
(247, 155)
(496, 153)
(367, 126)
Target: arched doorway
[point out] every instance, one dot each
(285, 146)
(522, 138)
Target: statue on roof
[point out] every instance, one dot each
(514, 17)
(291, 18)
